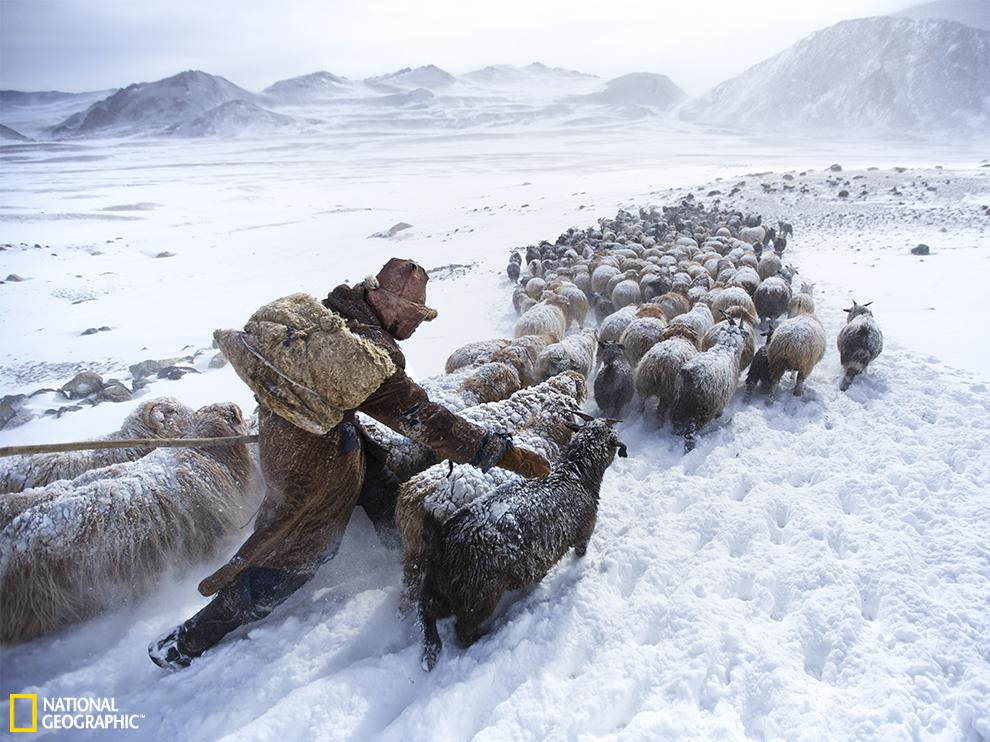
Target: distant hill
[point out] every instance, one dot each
(507, 74)
(871, 73)
(639, 89)
(22, 99)
(314, 87)
(148, 107)
(230, 119)
(975, 13)
(8, 134)
(429, 77)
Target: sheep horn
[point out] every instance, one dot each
(867, 304)
(584, 416)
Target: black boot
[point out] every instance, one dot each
(251, 597)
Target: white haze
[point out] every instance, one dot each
(73, 45)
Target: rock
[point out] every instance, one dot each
(139, 384)
(113, 391)
(165, 254)
(174, 373)
(58, 412)
(218, 361)
(921, 249)
(843, 194)
(391, 231)
(94, 330)
(144, 369)
(836, 168)
(14, 278)
(10, 406)
(82, 385)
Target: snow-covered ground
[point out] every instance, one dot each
(815, 569)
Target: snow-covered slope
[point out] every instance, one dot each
(9, 134)
(640, 89)
(975, 13)
(429, 77)
(314, 87)
(507, 74)
(149, 107)
(231, 119)
(33, 112)
(867, 74)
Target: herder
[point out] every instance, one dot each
(313, 481)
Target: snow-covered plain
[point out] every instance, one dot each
(815, 569)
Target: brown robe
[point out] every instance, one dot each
(313, 481)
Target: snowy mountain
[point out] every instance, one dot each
(314, 87)
(508, 74)
(230, 119)
(871, 73)
(8, 134)
(975, 13)
(429, 77)
(640, 89)
(145, 108)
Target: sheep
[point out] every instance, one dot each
(772, 298)
(785, 229)
(798, 344)
(747, 328)
(746, 278)
(699, 319)
(509, 538)
(546, 318)
(640, 335)
(163, 417)
(753, 235)
(512, 270)
(658, 372)
(601, 276)
(573, 353)
(707, 382)
(768, 266)
(471, 385)
(759, 369)
(576, 308)
(787, 273)
(733, 296)
(536, 417)
(614, 382)
(672, 304)
(615, 324)
(802, 302)
(535, 268)
(479, 351)
(534, 288)
(521, 301)
(655, 284)
(603, 307)
(625, 293)
(860, 342)
(88, 543)
(521, 354)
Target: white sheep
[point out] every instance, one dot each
(658, 372)
(546, 318)
(573, 353)
(798, 344)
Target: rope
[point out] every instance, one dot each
(127, 443)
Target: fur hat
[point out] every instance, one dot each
(399, 300)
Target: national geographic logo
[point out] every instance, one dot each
(68, 712)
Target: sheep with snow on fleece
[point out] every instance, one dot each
(615, 324)
(746, 278)
(513, 269)
(706, 384)
(575, 302)
(545, 318)
(747, 327)
(733, 296)
(640, 335)
(521, 354)
(672, 303)
(521, 300)
(163, 417)
(573, 353)
(614, 381)
(603, 307)
(860, 342)
(600, 278)
(91, 542)
(798, 344)
(511, 537)
(772, 298)
(802, 302)
(768, 266)
(699, 319)
(626, 292)
(471, 385)
(658, 373)
(538, 419)
(469, 354)
(759, 369)
(534, 288)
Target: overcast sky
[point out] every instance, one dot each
(77, 45)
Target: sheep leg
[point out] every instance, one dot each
(799, 385)
(411, 581)
(469, 622)
(848, 379)
(581, 544)
(429, 612)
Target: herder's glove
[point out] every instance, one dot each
(497, 449)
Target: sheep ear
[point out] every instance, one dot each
(867, 304)
(574, 427)
(848, 310)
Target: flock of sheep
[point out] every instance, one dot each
(680, 298)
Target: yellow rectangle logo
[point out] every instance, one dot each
(34, 712)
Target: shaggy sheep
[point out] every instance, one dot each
(772, 298)
(699, 319)
(802, 302)
(798, 344)
(753, 235)
(576, 309)
(521, 354)
(511, 537)
(614, 382)
(658, 372)
(512, 270)
(546, 318)
(734, 296)
(746, 278)
(759, 369)
(615, 324)
(860, 342)
(625, 293)
(105, 536)
(537, 418)
(534, 288)
(573, 353)
(521, 300)
(603, 307)
(640, 335)
(471, 385)
(601, 276)
(706, 384)
(768, 266)
(479, 351)
(672, 304)
(747, 328)
(158, 418)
